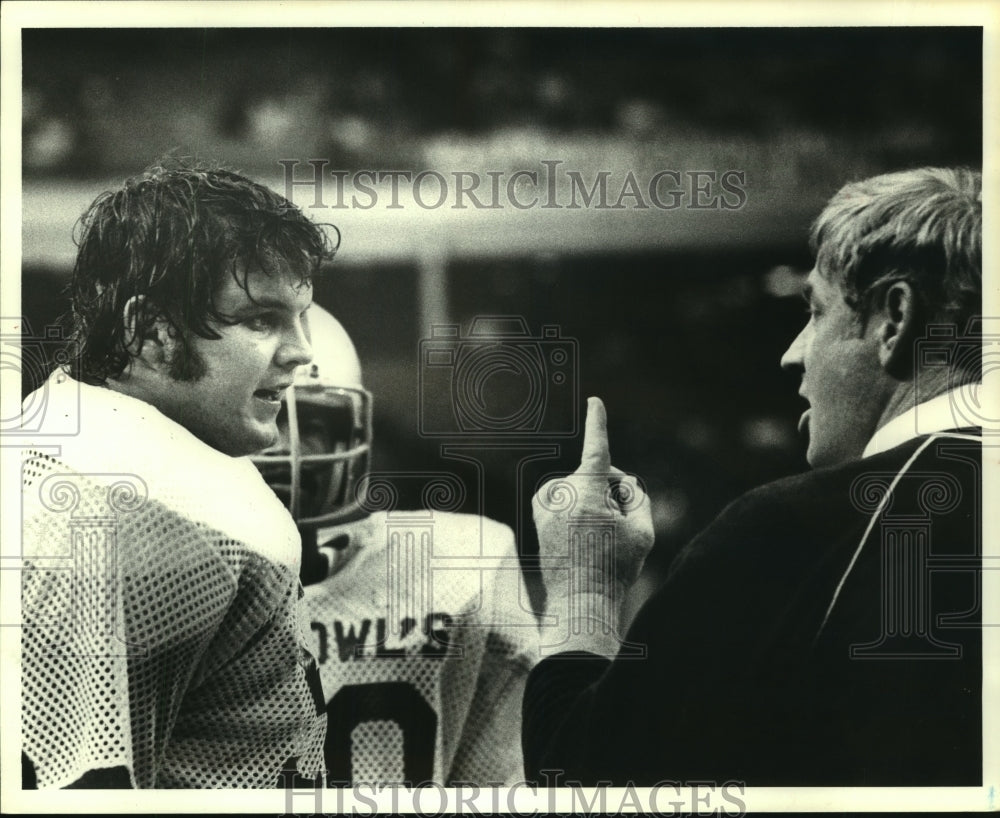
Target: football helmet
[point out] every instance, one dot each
(325, 424)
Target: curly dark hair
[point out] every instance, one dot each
(170, 236)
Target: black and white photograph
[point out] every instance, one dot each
(459, 408)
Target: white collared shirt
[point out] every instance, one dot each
(944, 411)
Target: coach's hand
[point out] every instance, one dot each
(595, 529)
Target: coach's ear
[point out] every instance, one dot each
(895, 323)
(148, 341)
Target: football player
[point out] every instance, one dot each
(420, 620)
(160, 644)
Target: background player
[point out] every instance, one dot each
(416, 616)
(160, 642)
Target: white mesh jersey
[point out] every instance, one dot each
(424, 638)
(162, 629)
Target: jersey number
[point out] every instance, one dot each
(397, 702)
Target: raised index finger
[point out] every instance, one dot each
(596, 458)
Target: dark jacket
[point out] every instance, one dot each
(823, 630)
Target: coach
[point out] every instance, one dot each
(825, 628)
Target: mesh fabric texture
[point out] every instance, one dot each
(162, 628)
(424, 640)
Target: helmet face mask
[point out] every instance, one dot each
(325, 425)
